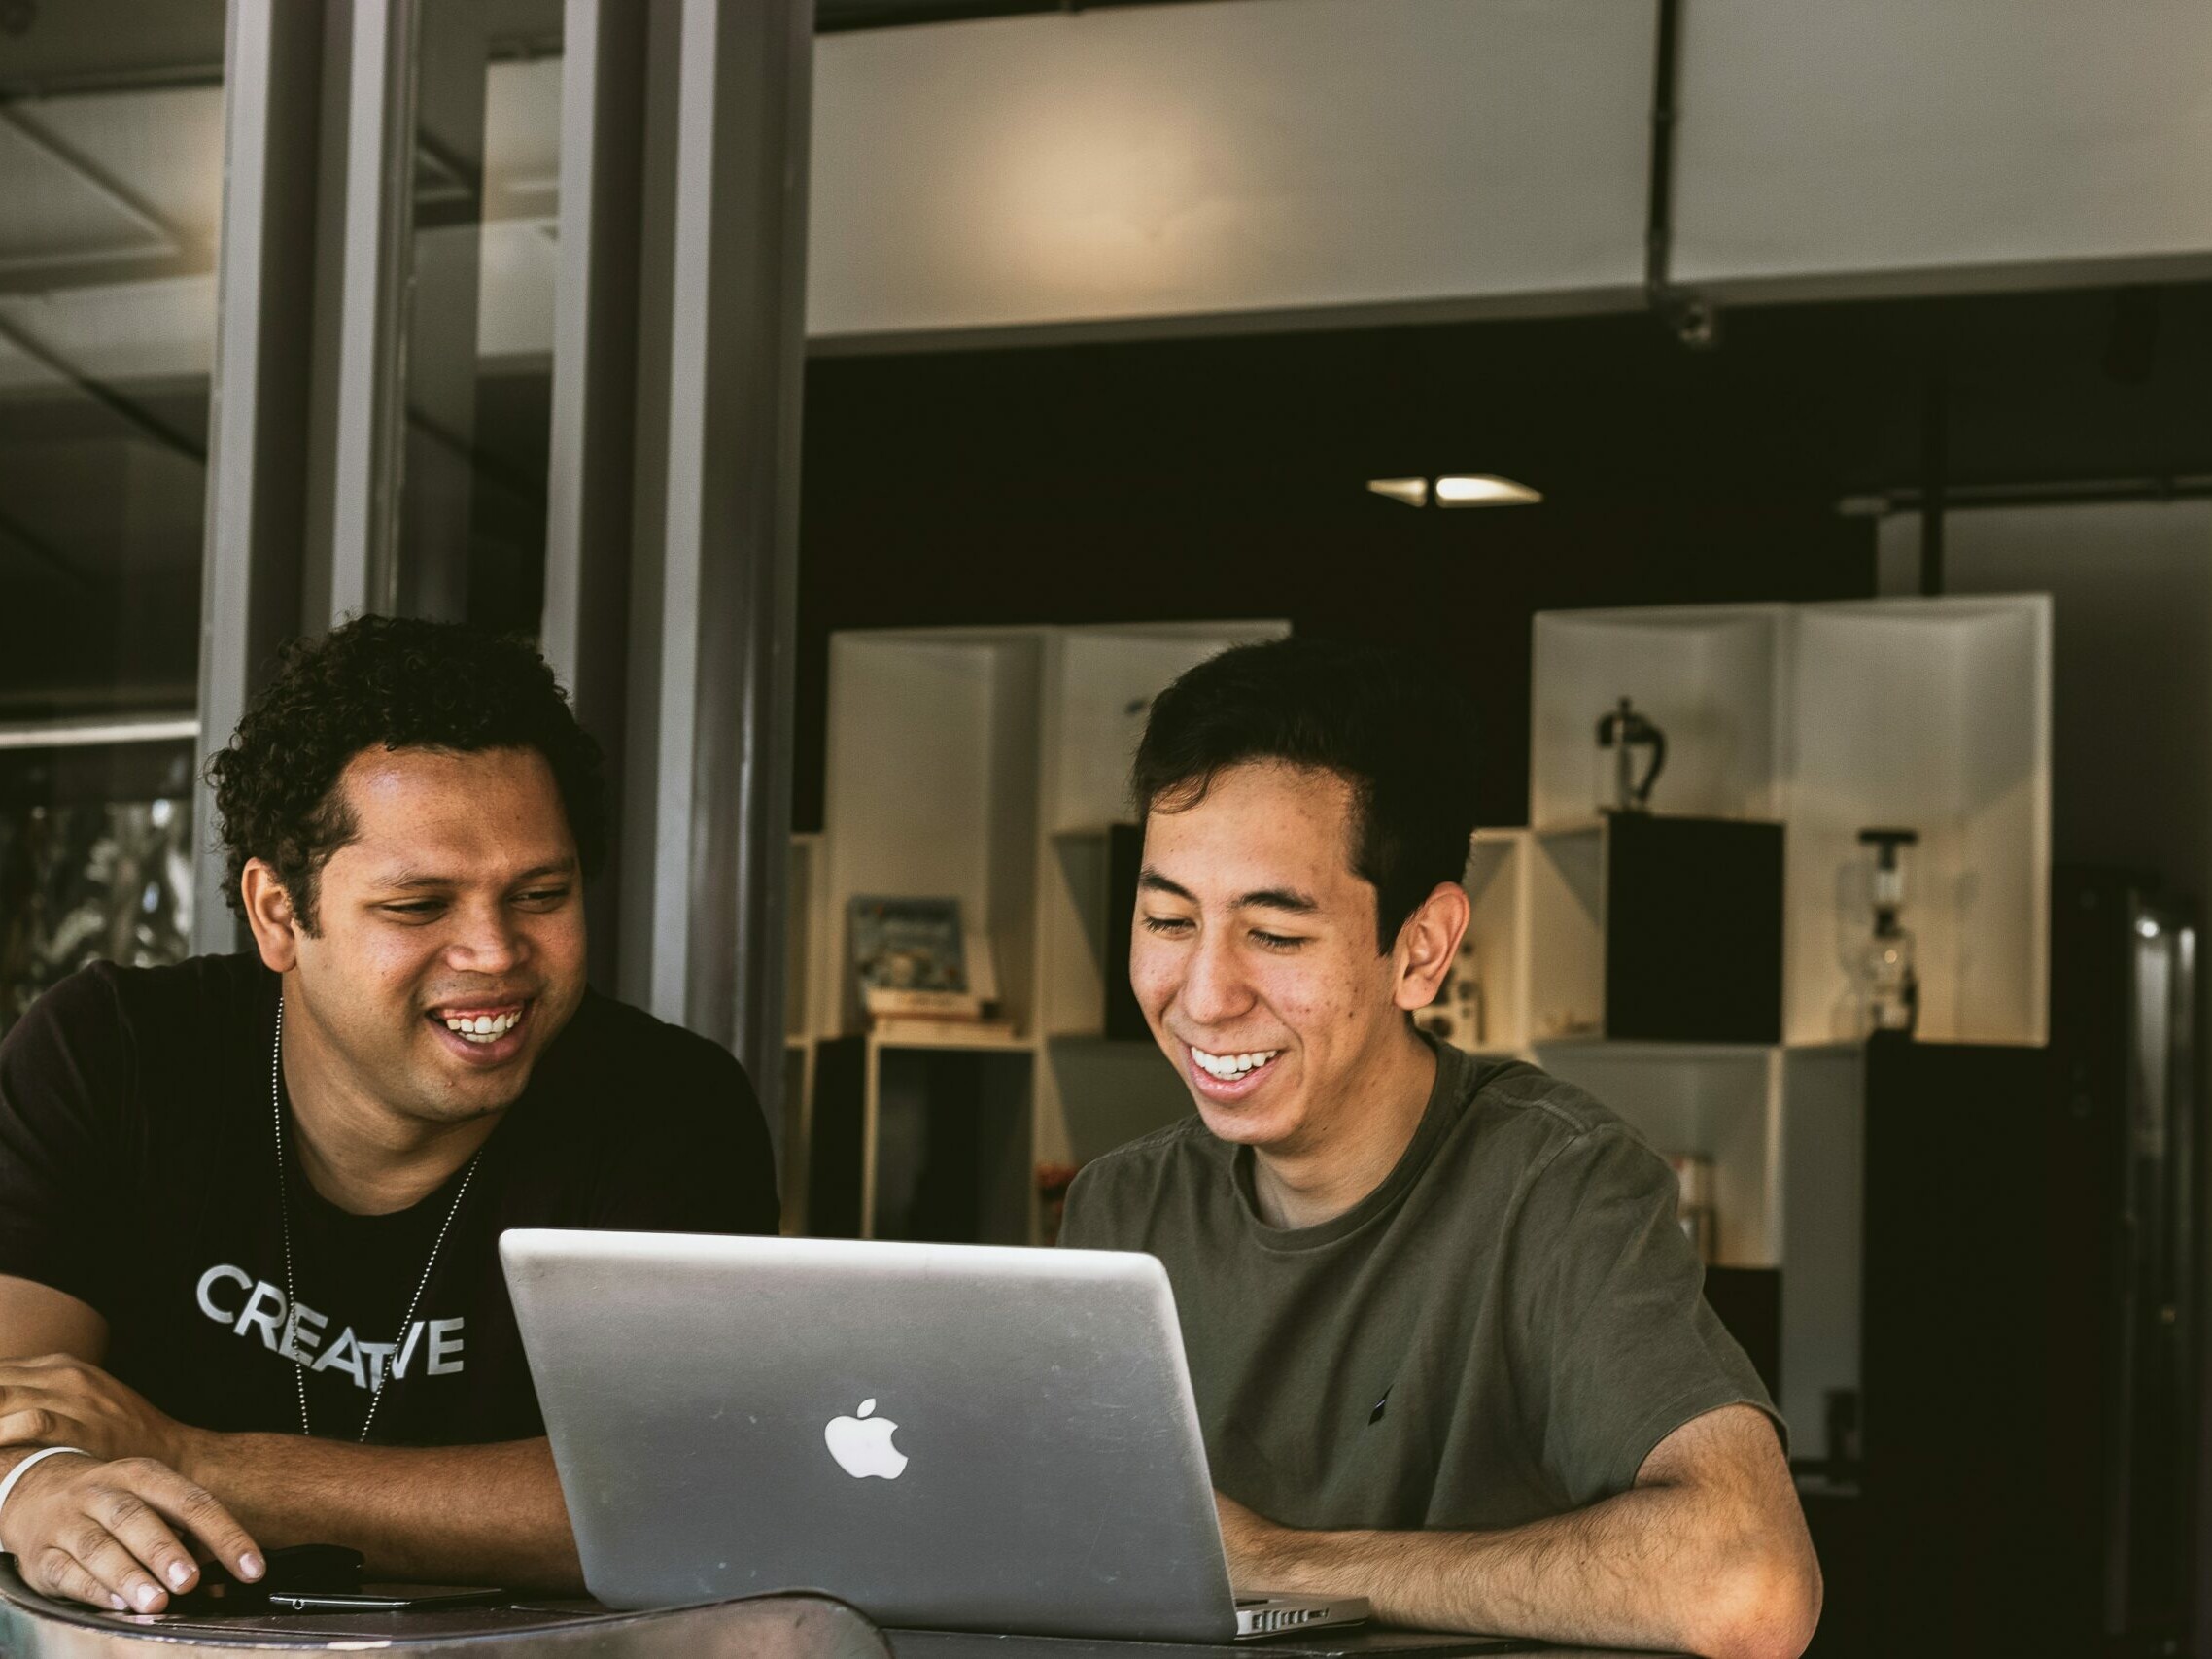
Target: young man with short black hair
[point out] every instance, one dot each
(1448, 1342)
(250, 1205)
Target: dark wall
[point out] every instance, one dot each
(1218, 478)
(1433, 583)
(1224, 477)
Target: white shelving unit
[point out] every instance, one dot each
(1566, 972)
(1536, 931)
(1496, 949)
(1714, 678)
(1928, 714)
(1720, 1102)
(932, 789)
(802, 925)
(1931, 714)
(989, 765)
(1783, 1129)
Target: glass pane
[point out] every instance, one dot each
(479, 359)
(110, 179)
(96, 861)
(111, 176)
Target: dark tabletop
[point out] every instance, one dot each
(780, 1627)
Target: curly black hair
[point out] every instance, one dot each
(387, 682)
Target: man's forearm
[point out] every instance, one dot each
(1646, 1569)
(442, 1514)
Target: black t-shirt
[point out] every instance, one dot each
(138, 1173)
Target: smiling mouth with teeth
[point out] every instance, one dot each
(1227, 1067)
(482, 1028)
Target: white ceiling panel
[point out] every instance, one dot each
(1249, 156)
(1825, 141)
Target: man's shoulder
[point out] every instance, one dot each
(603, 1019)
(608, 1041)
(1183, 1144)
(124, 1050)
(1115, 1192)
(191, 996)
(226, 976)
(656, 1126)
(1522, 1124)
(1552, 1110)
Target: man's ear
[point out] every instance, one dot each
(1427, 944)
(269, 914)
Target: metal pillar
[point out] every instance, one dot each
(589, 498)
(250, 588)
(440, 274)
(714, 595)
(364, 568)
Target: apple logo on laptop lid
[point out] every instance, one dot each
(862, 1444)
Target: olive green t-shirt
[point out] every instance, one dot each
(1501, 1331)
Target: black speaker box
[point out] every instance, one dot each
(1693, 929)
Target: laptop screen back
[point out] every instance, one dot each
(954, 1436)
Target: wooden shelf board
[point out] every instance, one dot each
(1632, 1047)
(974, 1044)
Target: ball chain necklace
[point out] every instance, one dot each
(292, 1302)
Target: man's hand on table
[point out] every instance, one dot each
(107, 1531)
(104, 1527)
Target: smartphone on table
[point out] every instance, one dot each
(320, 1577)
(385, 1598)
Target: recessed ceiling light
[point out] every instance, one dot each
(1413, 491)
(1462, 489)
(1484, 491)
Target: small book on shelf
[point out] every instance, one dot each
(914, 959)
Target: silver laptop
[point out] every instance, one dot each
(949, 1436)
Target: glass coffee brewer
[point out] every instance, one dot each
(1889, 986)
(1621, 732)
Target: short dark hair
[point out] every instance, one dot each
(1400, 736)
(394, 683)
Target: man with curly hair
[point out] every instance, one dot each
(250, 1205)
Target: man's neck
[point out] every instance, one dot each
(356, 1150)
(1353, 1154)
